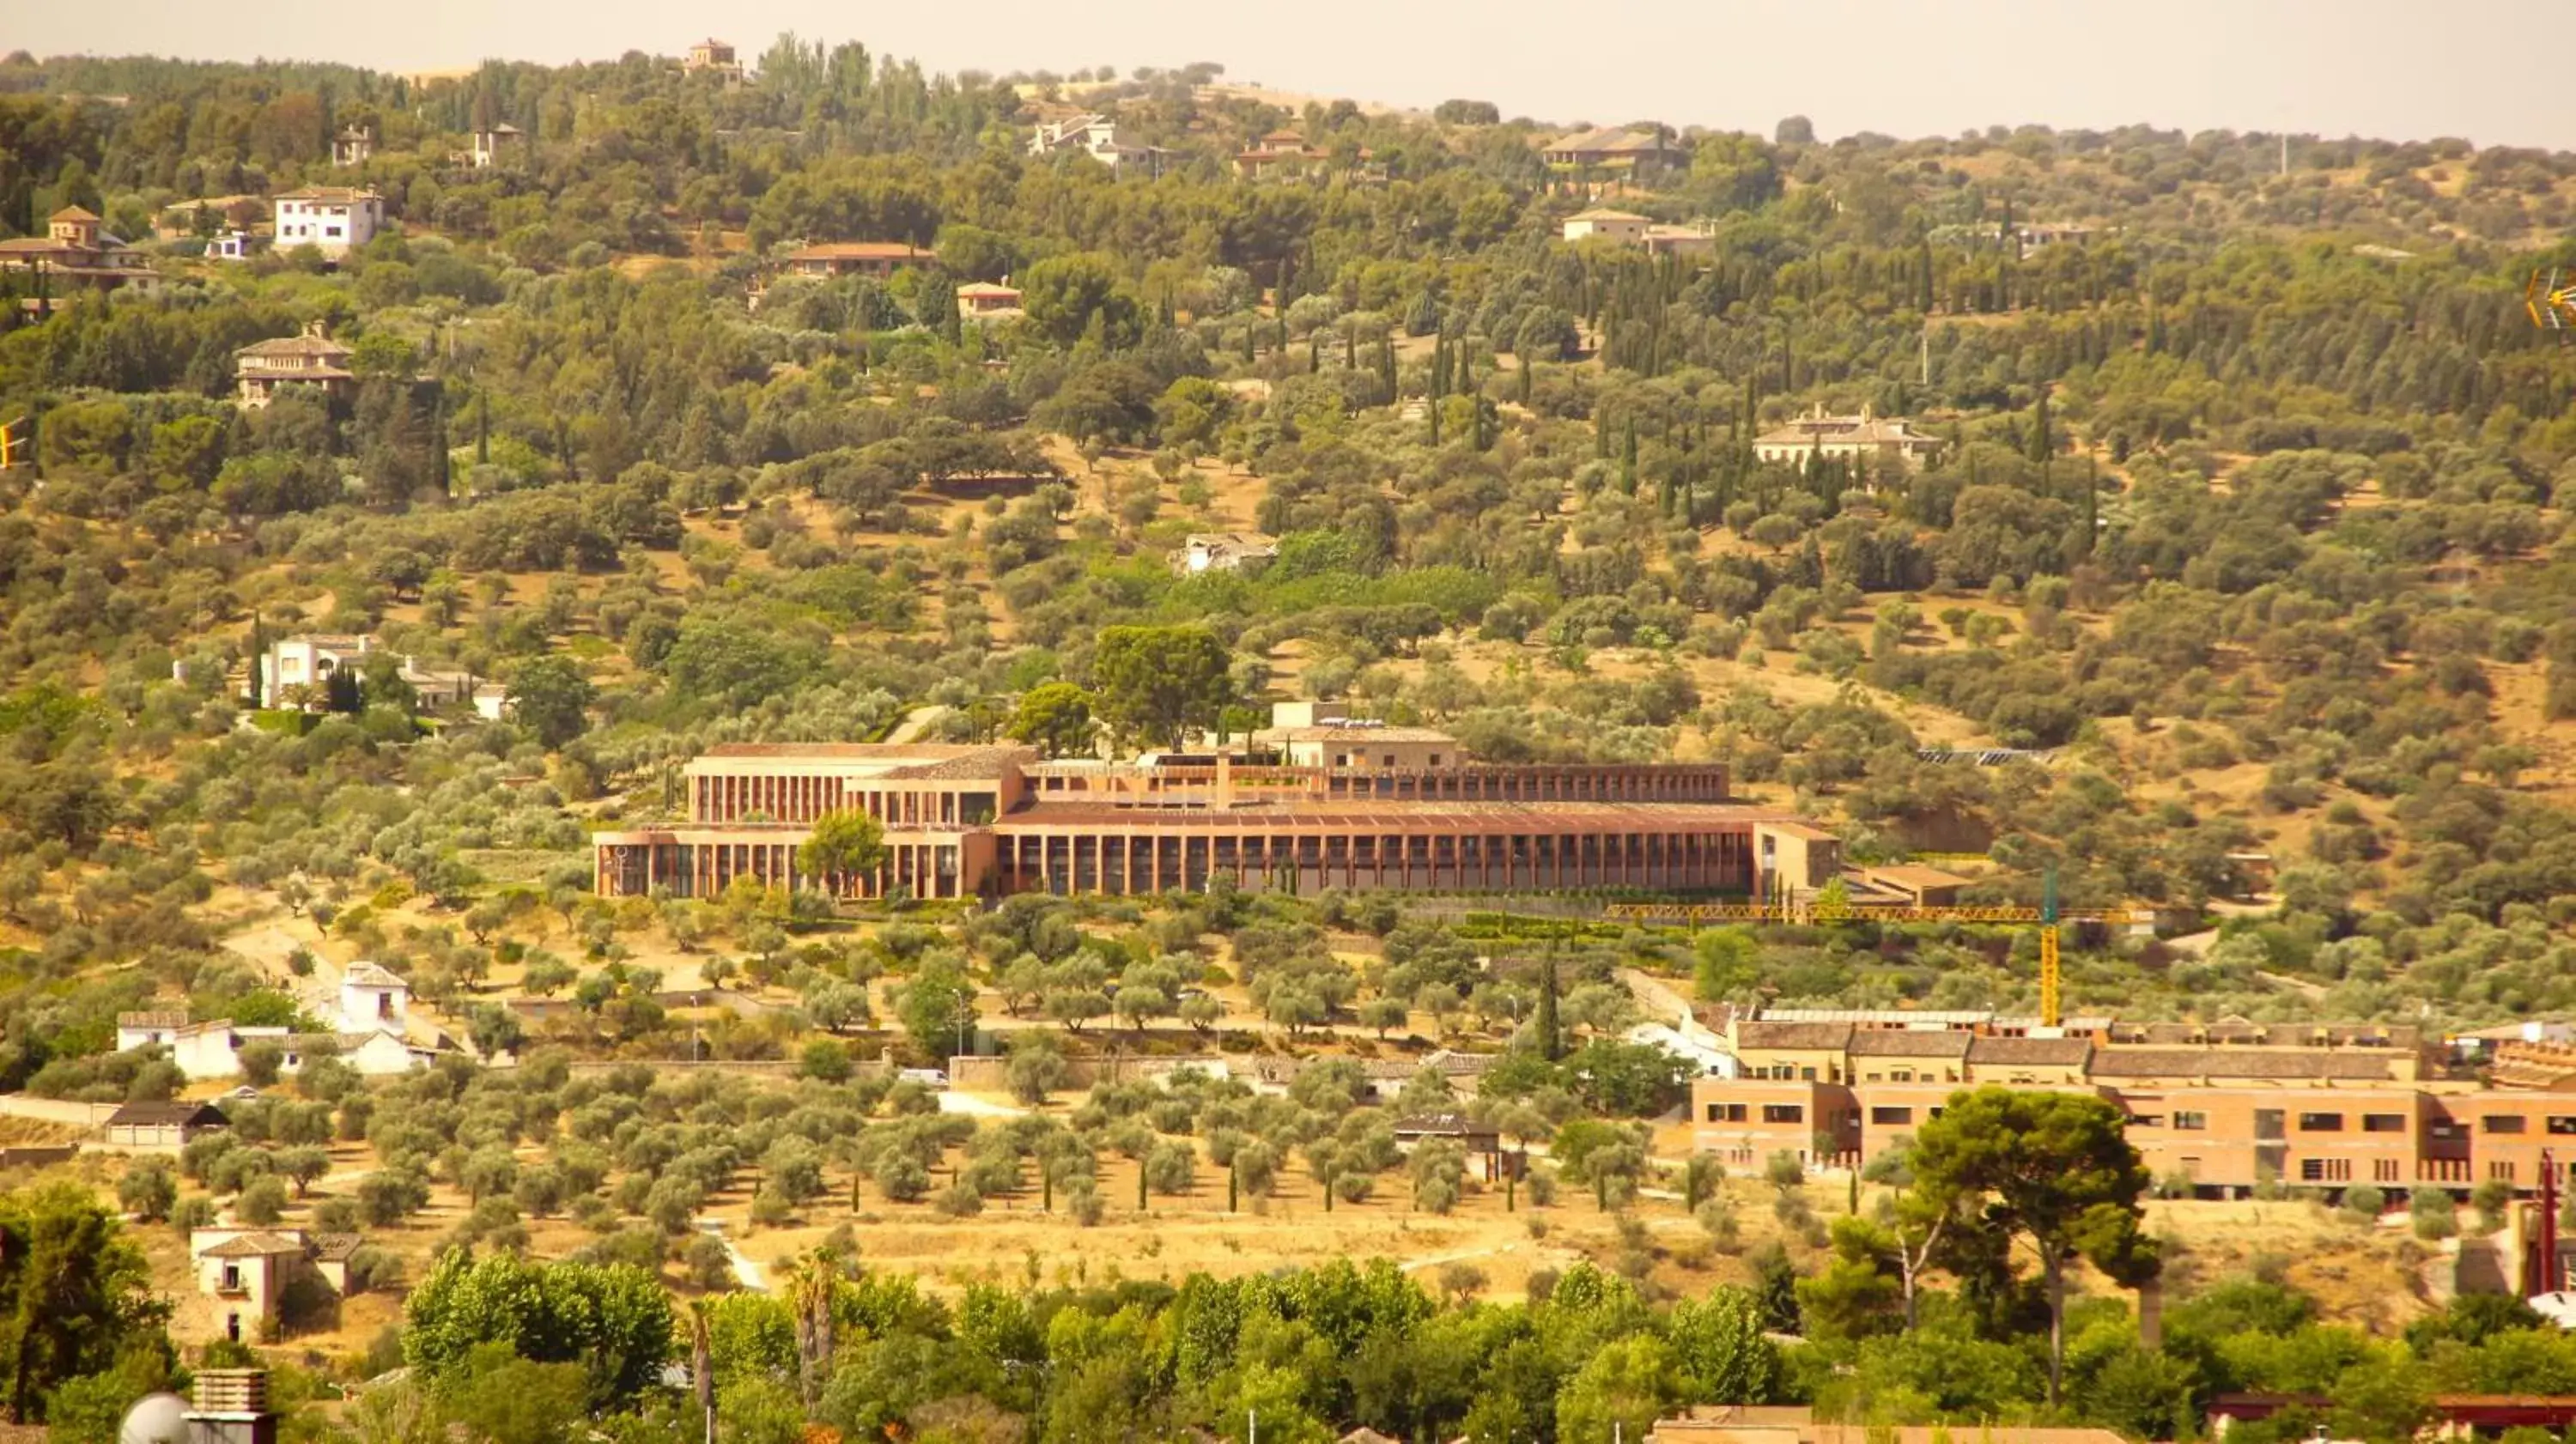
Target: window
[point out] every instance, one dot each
(2500, 1170)
(2325, 1170)
(1435, 759)
(1891, 1117)
(2188, 1120)
(2561, 1123)
(2383, 1123)
(1903, 1075)
(1784, 1113)
(2321, 1123)
(1726, 1113)
(2146, 1120)
(2383, 1170)
(2502, 1123)
(1806, 1075)
(232, 1278)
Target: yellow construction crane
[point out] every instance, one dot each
(1810, 907)
(12, 442)
(2551, 300)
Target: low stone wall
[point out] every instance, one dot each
(979, 1074)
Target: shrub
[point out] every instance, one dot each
(2435, 1214)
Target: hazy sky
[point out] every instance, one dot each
(2403, 69)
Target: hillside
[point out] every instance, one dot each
(2129, 513)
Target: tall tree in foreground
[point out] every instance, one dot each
(75, 1294)
(2054, 1171)
(1156, 683)
(842, 845)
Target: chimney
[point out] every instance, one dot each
(231, 1407)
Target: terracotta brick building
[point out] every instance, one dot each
(978, 820)
(2225, 1106)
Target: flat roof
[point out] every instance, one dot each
(915, 760)
(1382, 815)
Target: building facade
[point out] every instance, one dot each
(75, 254)
(879, 259)
(2220, 1108)
(355, 145)
(1391, 810)
(311, 359)
(334, 220)
(1885, 441)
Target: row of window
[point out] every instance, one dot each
(2186, 1120)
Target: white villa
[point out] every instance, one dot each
(1888, 440)
(334, 220)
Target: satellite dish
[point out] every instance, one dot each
(155, 1419)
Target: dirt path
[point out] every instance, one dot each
(916, 722)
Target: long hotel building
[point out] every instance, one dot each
(1339, 805)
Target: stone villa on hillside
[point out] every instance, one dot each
(1884, 441)
(1629, 229)
(879, 259)
(1612, 147)
(75, 254)
(307, 359)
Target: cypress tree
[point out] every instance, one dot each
(1550, 1045)
(483, 429)
(2039, 441)
(2092, 505)
(1628, 460)
(1529, 378)
(1350, 349)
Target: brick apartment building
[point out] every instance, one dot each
(2226, 1105)
(1328, 805)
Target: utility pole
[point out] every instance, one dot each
(1927, 351)
(2285, 153)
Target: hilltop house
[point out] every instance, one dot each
(1612, 147)
(1279, 152)
(1224, 551)
(496, 143)
(373, 999)
(213, 1048)
(713, 57)
(334, 220)
(297, 672)
(355, 145)
(1097, 137)
(74, 254)
(1624, 227)
(984, 298)
(306, 359)
(247, 1272)
(1886, 440)
(879, 259)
